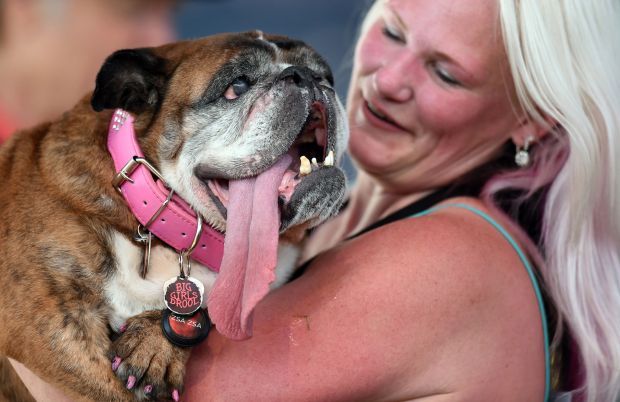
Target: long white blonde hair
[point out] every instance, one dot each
(564, 59)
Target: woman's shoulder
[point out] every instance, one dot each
(455, 232)
(460, 296)
(452, 246)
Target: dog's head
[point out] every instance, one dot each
(227, 118)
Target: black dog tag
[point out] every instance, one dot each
(185, 330)
(183, 295)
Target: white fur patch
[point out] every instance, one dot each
(128, 294)
(288, 254)
(261, 37)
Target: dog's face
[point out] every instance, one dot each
(227, 107)
(226, 119)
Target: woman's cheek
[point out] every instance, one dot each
(442, 111)
(371, 52)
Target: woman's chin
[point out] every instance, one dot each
(374, 156)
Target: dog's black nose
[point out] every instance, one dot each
(301, 76)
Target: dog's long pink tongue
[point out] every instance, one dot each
(250, 251)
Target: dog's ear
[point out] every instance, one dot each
(131, 79)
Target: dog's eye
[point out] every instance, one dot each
(237, 88)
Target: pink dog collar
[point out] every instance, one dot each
(175, 221)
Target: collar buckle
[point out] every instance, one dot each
(126, 171)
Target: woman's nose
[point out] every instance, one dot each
(394, 79)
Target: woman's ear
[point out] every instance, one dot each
(530, 132)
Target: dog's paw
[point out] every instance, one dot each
(146, 361)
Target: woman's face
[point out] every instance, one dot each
(428, 100)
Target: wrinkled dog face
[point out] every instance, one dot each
(272, 98)
(227, 108)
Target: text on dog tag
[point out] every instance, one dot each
(183, 295)
(185, 330)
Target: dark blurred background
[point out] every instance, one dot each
(330, 26)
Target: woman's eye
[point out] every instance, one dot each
(237, 88)
(445, 76)
(391, 34)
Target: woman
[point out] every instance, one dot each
(442, 307)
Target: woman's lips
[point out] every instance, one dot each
(377, 117)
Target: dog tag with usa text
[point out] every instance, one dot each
(185, 330)
(183, 295)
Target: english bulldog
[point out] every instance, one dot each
(196, 160)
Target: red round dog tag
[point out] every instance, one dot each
(183, 330)
(183, 295)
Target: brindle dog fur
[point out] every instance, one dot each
(59, 210)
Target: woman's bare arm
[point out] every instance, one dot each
(419, 308)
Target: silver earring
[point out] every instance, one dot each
(522, 157)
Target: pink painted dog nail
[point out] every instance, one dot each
(131, 381)
(148, 389)
(115, 363)
(123, 328)
(175, 395)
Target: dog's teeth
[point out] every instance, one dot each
(315, 164)
(329, 159)
(304, 167)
